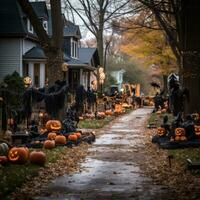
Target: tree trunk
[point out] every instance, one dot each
(191, 80)
(165, 88)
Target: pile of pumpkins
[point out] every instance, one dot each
(20, 155)
(118, 109)
(54, 138)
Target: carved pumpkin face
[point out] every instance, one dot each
(179, 132)
(18, 155)
(161, 131)
(197, 130)
(53, 125)
(60, 140)
(73, 137)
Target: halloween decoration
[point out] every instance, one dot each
(3, 160)
(53, 125)
(51, 136)
(37, 157)
(4, 149)
(101, 115)
(161, 131)
(118, 109)
(18, 155)
(78, 134)
(197, 130)
(60, 140)
(49, 144)
(180, 134)
(73, 137)
(108, 112)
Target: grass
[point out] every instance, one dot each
(158, 119)
(181, 155)
(13, 176)
(95, 123)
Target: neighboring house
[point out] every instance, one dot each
(20, 50)
(118, 75)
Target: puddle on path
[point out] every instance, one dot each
(111, 170)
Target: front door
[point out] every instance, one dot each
(74, 79)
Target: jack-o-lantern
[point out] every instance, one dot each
(18, 155)
(60, 140)
(197, 130)
(51, 136)
(161, 131)
(72, 137)
(78, 134)
(49, 144)
(37, 157)
(53, 125)
(179, 132)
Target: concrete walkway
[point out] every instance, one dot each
(111, 170)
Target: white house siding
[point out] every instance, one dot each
(10, 56)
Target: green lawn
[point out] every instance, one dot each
(13, 176)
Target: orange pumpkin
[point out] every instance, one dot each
(78, 134)
(197, 130)
(18, 155)
(53, 125)
(108, 112)
(37, 157)
(51, 136)
(73, 137)
(60, 140)
(118, 109)
(49, 144)
(179, 132)
(161, 131)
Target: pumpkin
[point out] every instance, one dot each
(108, 112)
(60, 140)
(37, 157)
(179, 132)
(73, 137)
(118, 109)
(43, 130)
(49, 144)
(3, 160)
(4, 149)
(180, 138)
(161, 131)
(101, 115)
(158, 112)
(18, 155)
(53, 125)
(51, 136)
(78, 134)
(197, 130)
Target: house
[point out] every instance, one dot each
(20, 50)
(118, 75)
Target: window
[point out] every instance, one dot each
(45, 25)
(74, 48)
(30, 27)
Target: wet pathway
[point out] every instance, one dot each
(111, 170)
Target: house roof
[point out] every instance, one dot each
(71, 30)
(87, 54)
(12, 18)
(35, 53)
(39, 8)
